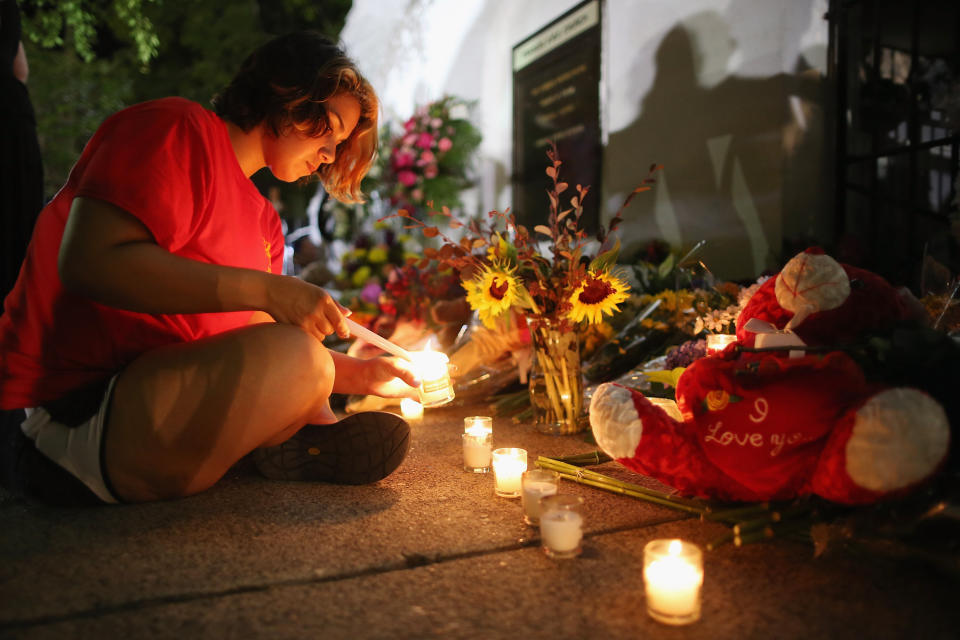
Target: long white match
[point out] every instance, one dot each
(373, 338)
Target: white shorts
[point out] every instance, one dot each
(77, 449)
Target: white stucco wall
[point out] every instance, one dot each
(714, 90)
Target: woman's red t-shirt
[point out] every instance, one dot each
(170, 163)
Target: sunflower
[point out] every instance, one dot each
(600, 292)
(493, 291)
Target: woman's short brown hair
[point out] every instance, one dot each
(286, 83)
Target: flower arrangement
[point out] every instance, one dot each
(505, 272)
(553, 284)
(428, 161)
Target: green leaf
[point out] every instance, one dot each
(607, 258)
(666, 378)
(666, 266)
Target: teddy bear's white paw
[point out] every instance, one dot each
(616, 426)
(899, 437)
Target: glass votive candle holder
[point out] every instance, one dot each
(474, 424)
(673, 575)
(717, 342)
(411, 409)
(508, 467)
(477, 444)
(561, 525)
(433, 367)
(536, 484)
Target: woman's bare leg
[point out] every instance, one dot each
(182, 415)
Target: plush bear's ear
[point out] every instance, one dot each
(812, 281)
(891, 442)
(613, 417)
(823, 301)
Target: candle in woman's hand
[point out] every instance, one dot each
(433, 370)
(673, 575)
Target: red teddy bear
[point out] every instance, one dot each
(766, 427)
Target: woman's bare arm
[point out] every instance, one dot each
(109, 256)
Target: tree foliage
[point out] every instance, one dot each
(52, 23)
(90, 58)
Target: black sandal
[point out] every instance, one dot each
(360, 449)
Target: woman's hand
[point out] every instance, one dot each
(387, 377)
(294, 301)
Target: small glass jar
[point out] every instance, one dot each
(672, 576)
(561, 525)
(536, 484)
(508, 467)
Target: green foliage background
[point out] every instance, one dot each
(90, 58)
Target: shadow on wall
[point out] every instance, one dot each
(724, 149)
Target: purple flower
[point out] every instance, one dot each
(371, 292)
(407, 178)
(425, 141)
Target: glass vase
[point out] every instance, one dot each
(555, 382)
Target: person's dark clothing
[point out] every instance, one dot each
(21, 169)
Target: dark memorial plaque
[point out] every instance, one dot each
(556, 97)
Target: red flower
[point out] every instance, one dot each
(403, 159)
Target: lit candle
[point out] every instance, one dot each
(411, 409)
(561, 525)
(478, 424)
(536, 484)
(435, 386)
(717, 342)
(673, 575)
(477, 443)
(508, 467)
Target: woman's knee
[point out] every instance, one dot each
(308, 366)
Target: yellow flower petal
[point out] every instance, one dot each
(599, 293)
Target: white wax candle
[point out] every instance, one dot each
(435, 385)
(508, 474)
(478, 424)
(717, 342)
(532, 492)
(411, 409)
(561, 530)
(476, 449)
(508, 467)
(673, 586)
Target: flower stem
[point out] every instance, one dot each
(592, 478)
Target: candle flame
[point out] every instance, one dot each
(675, 547)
